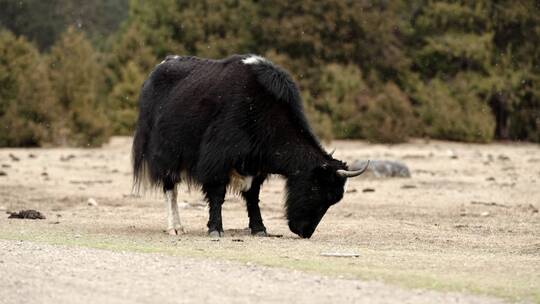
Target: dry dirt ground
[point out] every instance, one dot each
(465, 228)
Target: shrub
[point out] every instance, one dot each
(77, 77)
(123, 99)
(27, 103)
(453, 111)
(389, 116)
(381, 113)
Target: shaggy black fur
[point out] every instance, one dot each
(207, 118)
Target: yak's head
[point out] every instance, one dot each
(310, 194)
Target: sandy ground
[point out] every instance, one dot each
(466, 225)
(38, 273)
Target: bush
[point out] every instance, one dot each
(389, 116)
(453, 111)
(127, 67)
(77, 78)
(379, 114)
(123, 99)
(524, 120)
(340, 87)
(27, 103)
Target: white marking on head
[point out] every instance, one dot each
(254, 59)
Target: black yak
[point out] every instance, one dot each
(231, 123)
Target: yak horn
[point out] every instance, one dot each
(332, 153)
(347, 173)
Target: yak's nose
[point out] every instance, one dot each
(303, 230)
(307, 235)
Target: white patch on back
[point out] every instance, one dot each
(254, 59)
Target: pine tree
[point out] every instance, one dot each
(28, 111)
(76, 76)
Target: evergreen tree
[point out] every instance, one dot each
(452, 51)
(76, 76)
(27, 102)
(44, 21)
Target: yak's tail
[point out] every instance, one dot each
(141, 140)
(140, 167)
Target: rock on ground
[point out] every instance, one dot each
(382, 168)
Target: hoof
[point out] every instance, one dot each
(259, 233)
(177, 231)
(215, 234)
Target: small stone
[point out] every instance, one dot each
(92, 202)
(368, 190)
(503, 157)
(13, 157)
(408, 187)
(183, 205)
(485, 214)
(2, 173)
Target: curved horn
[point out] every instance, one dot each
(332, 153)
(347, 173)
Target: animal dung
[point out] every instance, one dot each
(27, 214)
(340, 254)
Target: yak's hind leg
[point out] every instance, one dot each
(215, 194)
(251, 197)
(174, 226)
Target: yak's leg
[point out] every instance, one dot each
(174, 226)
(215, 194)
(252, 202)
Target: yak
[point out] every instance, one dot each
(230, 124)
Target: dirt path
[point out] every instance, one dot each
(467, 221)
(38, 273)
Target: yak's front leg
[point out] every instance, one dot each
(174, 226)
(215, 194)
(251, 197)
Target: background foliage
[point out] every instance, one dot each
(386, 71)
